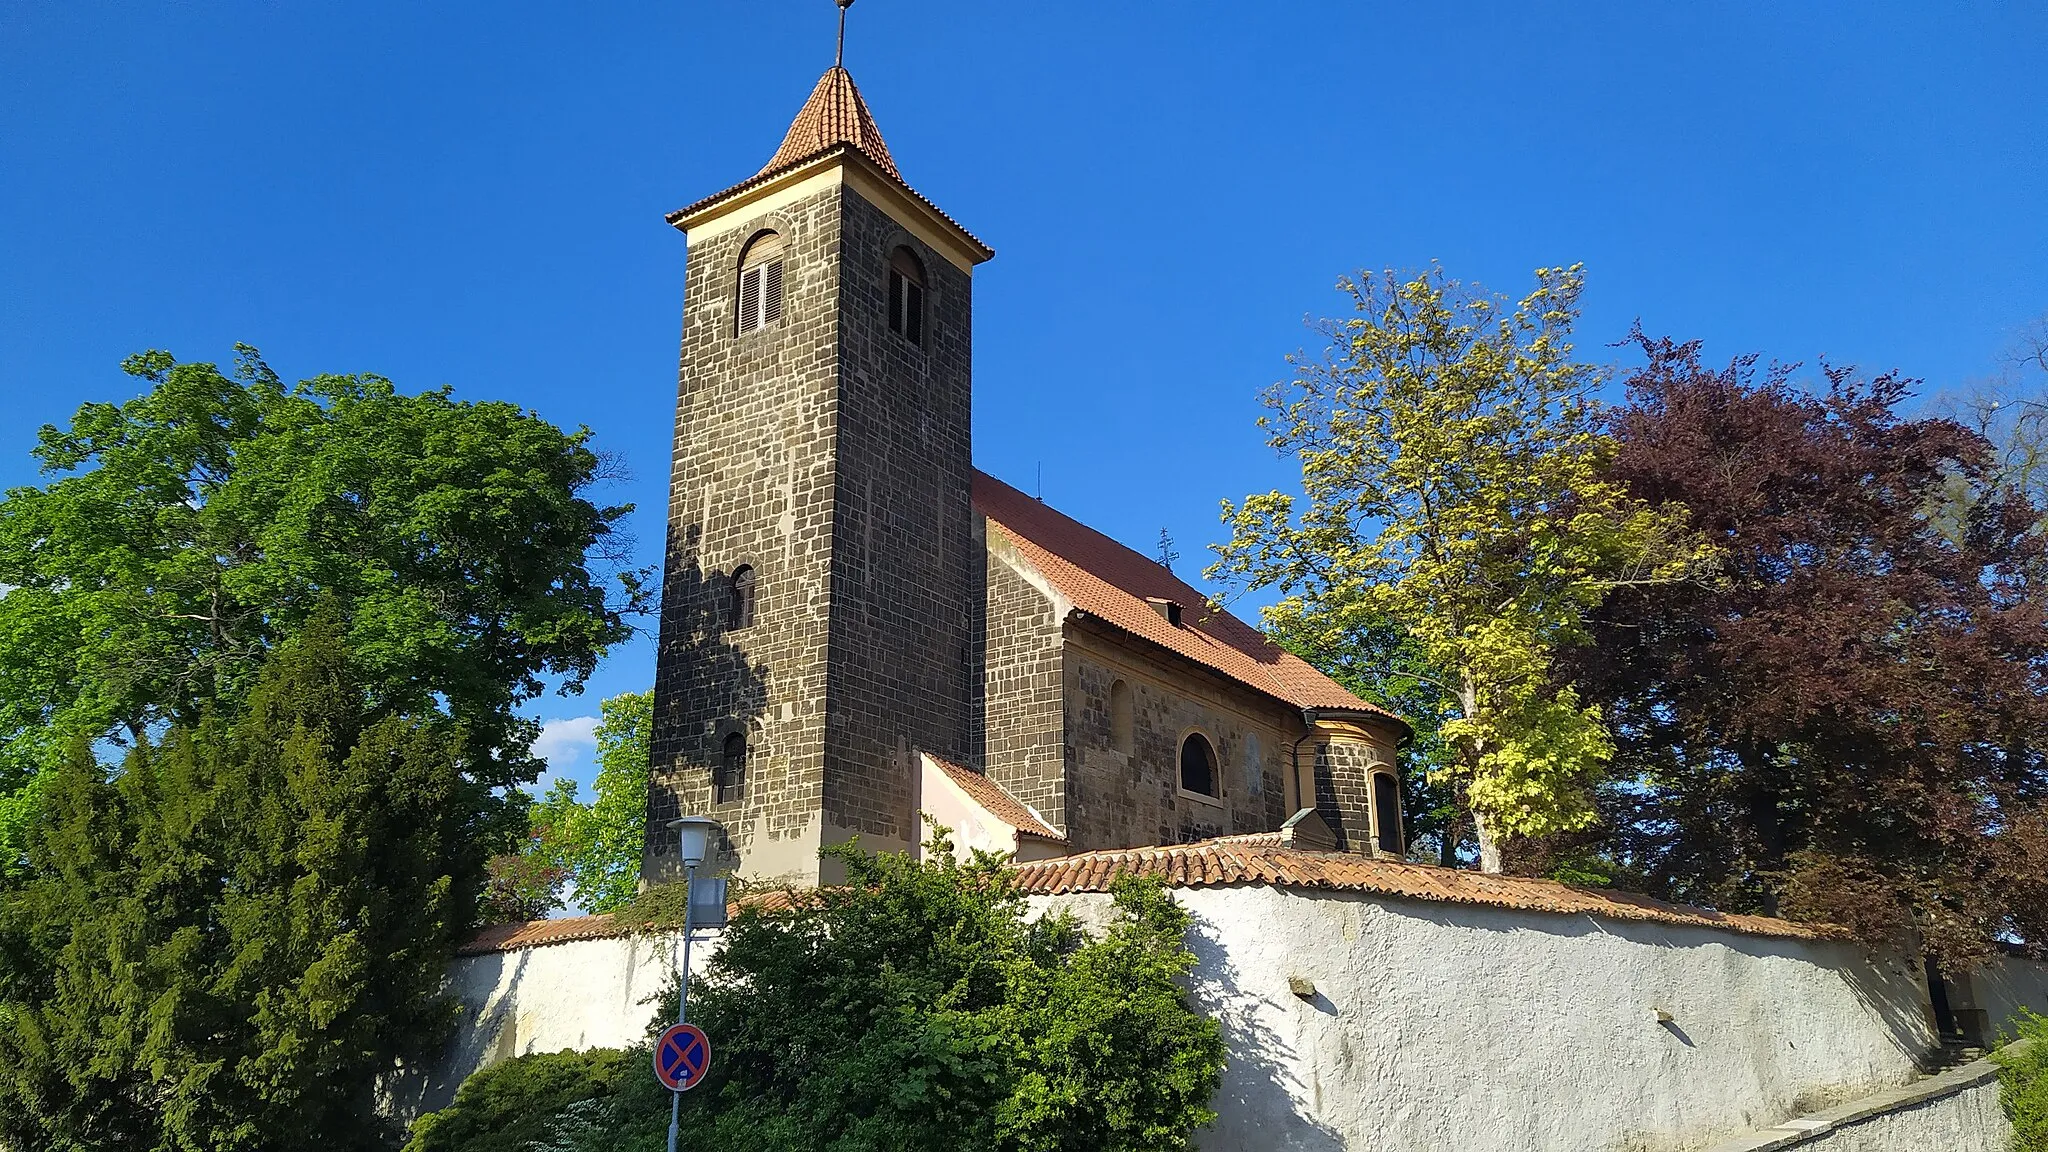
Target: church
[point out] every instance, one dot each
(862, 635)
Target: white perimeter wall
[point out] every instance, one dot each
(1434, 1026)
(1969, 1121)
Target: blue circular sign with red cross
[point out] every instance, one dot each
(681, 1057)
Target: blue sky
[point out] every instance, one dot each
(472, 194)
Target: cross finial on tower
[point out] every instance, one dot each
(840, 60)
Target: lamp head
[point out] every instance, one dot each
(693, 838)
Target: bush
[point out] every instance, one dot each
(916, 1009)
(2024, 1084)
(520, 1102)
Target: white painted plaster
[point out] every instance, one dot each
(1968, 1121)
(1433, 1026)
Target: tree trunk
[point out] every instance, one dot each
(1489, 844)
(1489, 840)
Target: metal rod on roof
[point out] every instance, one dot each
(840, 60)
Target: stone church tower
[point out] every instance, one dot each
(818, 624)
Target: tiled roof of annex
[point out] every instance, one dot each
(1117, 585)
(998, 802)
(1256, 860)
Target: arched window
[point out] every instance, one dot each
(906, 296)
(1198, 765)
(1386, 813)
(729, 781)
(740, 613)
(1123, 735)
(760, 288)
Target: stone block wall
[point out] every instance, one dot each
(1117, 800)
(753, 482)
(833, 457)
(1022, 656)
(905, 569)
(1346, 756)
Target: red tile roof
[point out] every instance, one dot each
(835, 114)
(1259, 859)
(1262, 859)
(1115, 584)
(998, 802)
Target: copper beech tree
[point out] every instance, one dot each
(1850, 725)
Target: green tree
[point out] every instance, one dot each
(1452, 470)
(190, 531)
(596, 847)
(916, 1008)
(222, 945)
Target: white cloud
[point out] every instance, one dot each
(566, 743)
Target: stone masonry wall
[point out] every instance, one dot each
(1023, 729)
(1116, 800)
(1343, 779)
(906, 570)
(753, 482)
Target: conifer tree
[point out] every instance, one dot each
(225, 942)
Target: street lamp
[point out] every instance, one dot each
(693, 847)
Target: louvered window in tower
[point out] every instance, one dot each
(906, 296)
(729, 779)
(761, 283)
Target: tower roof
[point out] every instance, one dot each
(835, 114)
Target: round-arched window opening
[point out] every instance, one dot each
(740, 613)
(906, 296)
(760, 287)
(1198, 765)
(729, 781)
(1386, 813)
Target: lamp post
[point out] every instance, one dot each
(693, 846)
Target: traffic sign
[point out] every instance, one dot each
(681, 1057)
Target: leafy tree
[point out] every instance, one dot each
(916, 1008)
(596, 847)
(2023, 1084)
(221, 946)
(192, 530)
(1849, 725)
(1453, 475)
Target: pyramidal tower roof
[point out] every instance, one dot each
(835, 114)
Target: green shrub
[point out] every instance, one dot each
(2024, 1084)
(509, 1106)
(915, 1008)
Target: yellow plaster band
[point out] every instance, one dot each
(837, 169)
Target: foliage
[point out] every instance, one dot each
(916, 1008)
(520, 886)
(520, 1102)
(596, 847)
(1378, 660)
(190, 531)
(1847, 726)
(2023, 1084)
(222, 945)
(1453, 475)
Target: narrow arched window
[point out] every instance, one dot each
(1198, 765)
(740, 613)
(760, 288)
(1123, 735)
(906, 296)
(729, 781)
(1386, 813)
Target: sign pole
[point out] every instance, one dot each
(675, 1104)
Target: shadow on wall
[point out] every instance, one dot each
(492, 1035)
(1257, 1087)
(705, 689)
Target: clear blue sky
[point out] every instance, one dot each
(472, 194)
